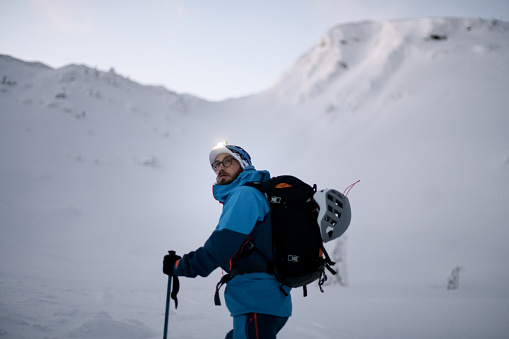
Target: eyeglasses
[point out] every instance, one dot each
(227, 162)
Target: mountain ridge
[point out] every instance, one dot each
(100, 176)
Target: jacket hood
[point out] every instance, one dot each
(221, 192)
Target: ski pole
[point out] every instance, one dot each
(168, 292)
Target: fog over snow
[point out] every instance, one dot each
(101, 176)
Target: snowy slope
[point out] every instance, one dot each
(99, 176)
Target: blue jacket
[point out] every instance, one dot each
(245, 213)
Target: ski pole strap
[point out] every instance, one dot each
(175, 290)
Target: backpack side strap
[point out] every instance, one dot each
(264, 268)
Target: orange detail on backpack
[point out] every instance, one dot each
(283, 185)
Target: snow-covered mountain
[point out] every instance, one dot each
(99, 176)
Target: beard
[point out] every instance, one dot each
(225, 178)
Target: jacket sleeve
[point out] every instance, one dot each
(216, 252)
(241, 212)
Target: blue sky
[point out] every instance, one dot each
(211, 49)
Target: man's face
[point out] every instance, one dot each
(226, 175)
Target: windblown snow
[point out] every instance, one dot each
(101, 176)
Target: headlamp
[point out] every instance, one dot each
(221, 143)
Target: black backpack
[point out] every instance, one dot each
(299, 257)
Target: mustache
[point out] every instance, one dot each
(221, 172)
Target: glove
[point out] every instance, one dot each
(169, 262)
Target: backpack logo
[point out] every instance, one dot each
(275, 200)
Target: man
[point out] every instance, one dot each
(255, 300)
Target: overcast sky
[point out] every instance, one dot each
(214, 49)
